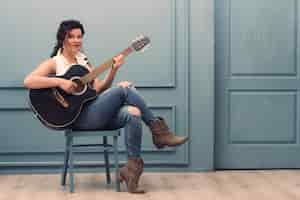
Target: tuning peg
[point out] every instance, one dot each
(145, 48)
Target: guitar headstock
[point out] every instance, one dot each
(140, 43)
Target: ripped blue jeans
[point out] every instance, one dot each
(109, 111)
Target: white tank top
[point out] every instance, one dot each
(62, 65)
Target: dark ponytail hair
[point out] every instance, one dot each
(63, 29)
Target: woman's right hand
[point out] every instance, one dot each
(67, 85)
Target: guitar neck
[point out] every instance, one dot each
(98, 70)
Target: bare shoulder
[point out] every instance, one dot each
(50, 62)
(46, 67)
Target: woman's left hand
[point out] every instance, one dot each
(125, 84)
(118, 61)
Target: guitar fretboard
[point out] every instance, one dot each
(98, 70)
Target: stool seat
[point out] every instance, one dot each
(71, 148)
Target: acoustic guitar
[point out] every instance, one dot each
(57, 109)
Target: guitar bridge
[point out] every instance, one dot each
(60, 98)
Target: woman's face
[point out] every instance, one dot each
(73, 41)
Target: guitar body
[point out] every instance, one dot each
(57, 109)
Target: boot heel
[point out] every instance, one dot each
(121, 178)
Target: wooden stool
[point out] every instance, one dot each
(71, 148)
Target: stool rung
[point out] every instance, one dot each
(91, 145)
(90, 149)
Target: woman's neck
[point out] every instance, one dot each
(70, 57)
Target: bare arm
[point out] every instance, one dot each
(39, 78)
(101, 85)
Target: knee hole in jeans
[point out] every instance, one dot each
(134, 110)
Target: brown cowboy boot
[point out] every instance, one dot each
(162, 136)
(131, 173)
(139, 172)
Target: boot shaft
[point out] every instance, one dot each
(135, 164)
(159, 126)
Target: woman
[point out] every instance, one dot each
(115, 107)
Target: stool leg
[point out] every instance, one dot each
(71, 168)
(115, 143)
(66, 160)
(108, 179)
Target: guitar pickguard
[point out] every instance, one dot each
(60, 99)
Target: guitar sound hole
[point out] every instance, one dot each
(80, 88)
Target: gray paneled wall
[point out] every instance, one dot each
(257, 73)
(167, 74)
